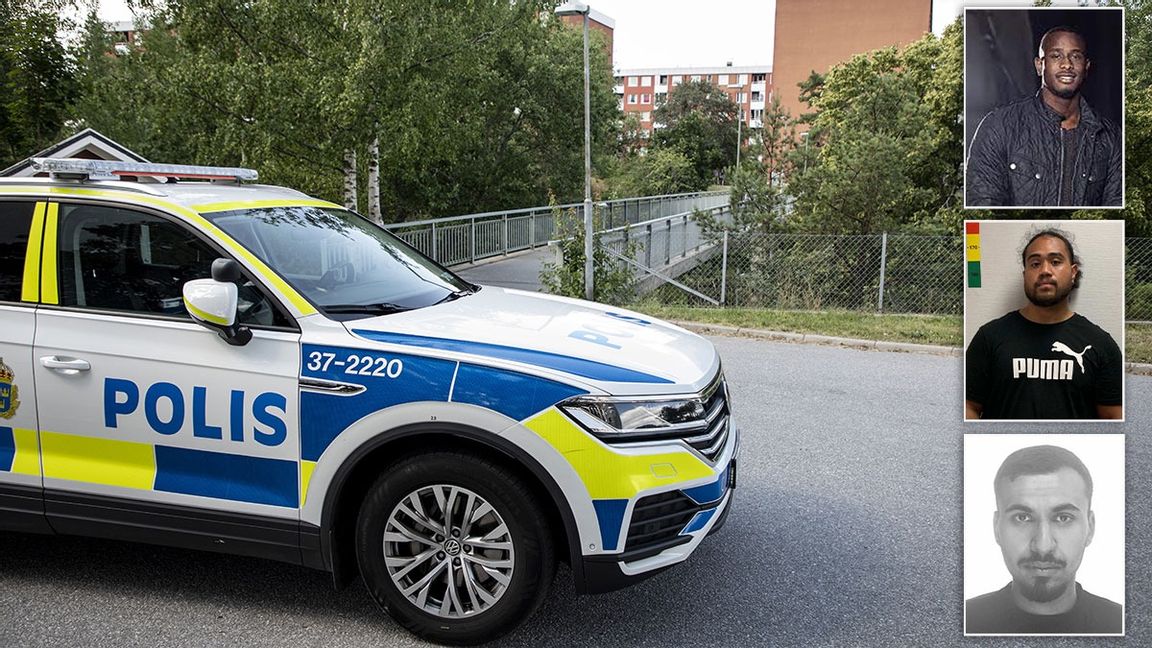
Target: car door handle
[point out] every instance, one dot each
(67, 366)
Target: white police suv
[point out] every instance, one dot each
(208, 364)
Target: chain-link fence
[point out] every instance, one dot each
(1138, 279)
(887, 273)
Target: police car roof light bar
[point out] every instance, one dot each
(78, 169)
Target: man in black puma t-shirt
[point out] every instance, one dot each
(1043, 523)
(1044, 361)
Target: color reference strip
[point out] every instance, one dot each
(972, 252)
(143, 466)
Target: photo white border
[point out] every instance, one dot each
(1060, 224)
(1102, 571)
(1123, 107)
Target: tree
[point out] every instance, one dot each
(887, 141)
(660, 171)
(759, 183)
(699, 120)
(473, 105)
(37, 77)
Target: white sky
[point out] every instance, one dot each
(687, 33)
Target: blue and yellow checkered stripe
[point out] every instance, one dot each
(144, 466)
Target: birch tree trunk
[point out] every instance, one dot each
(374, 212)
(350, 198)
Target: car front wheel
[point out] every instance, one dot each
(454, 547)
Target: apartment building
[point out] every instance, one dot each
(642, 90)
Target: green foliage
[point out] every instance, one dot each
(37, 77)
(887, 140)
(613, 281)
(476, 105)
(658, 172)
(758, 193)
(700, 121)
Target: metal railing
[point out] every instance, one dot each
(457, 240)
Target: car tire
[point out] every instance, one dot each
(454, 547)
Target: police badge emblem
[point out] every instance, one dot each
(9, 393)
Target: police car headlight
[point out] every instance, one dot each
(616, 419)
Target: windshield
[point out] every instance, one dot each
(340, 261)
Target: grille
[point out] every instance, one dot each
(656, 524)
(714, 432)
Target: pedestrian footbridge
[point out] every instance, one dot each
(510, 248)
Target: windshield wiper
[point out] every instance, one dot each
(370, 309)
(457, 294)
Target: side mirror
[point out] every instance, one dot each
(212, 303)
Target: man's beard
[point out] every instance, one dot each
(1041, 589)
(1059, 295)
(1065, 93)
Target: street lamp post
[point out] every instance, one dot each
(582, 9)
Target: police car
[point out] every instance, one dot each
(208, 363)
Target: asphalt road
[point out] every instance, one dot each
(846, 532)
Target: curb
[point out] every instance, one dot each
(811, 338)
(1138, 368)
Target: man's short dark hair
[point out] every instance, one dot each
(1063, 236)
(1041, 460)
(1055, 30)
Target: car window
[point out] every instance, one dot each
(339, 260)
(124, 260)
(15, 221)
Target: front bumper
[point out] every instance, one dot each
(663, 530)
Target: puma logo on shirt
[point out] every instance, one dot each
(1045, 369)
(1063, 348)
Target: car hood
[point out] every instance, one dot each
(600, 347)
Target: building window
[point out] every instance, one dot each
(645, 98)
(663, 79)
(646, 116)
(632, 81)
(757, 96)
(661, 98)
(743, 79)
(631, 100)
(695, 77)
(739, 97)
(757, 114)
(647, 81)
(757, 78)
(723, 79)
(677, 79)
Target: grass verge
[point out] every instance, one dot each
(944, 330)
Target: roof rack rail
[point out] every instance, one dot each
(78, 169)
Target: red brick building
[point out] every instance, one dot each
(816, 34)
(597, 23)
(642, 90)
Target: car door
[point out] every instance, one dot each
(21, 484)
(152, 426)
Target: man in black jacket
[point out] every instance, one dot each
(1050, 149)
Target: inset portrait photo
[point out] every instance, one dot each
(1044, 320)
(1044, 107)
(1044, 534)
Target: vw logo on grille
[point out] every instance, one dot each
(452, 547)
